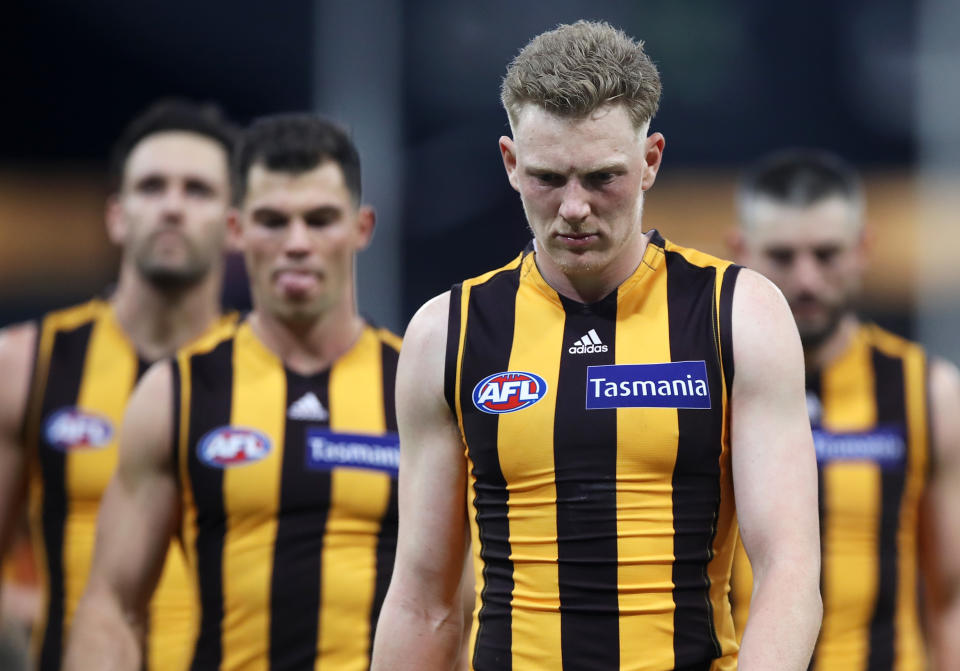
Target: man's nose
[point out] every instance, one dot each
(575, 206)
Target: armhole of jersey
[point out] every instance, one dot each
(931, 463)
(33, 388)
(175, 423)
(728, 283)
(453, 347)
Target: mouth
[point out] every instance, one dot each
(296, 281)
(576, 240)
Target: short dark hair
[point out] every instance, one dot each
(801, 178)
(295, 143)
(173, 114)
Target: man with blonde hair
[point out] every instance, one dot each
(579, 407)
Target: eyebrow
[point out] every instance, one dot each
(613, 166)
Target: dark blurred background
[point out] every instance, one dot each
(417, 81)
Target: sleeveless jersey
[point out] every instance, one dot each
(289, 495)
(85, 369)
(868, 410)
(599, 485)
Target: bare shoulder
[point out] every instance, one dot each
(420, 371)
(765, 337)
(17, 345)
(428, 327)
(945, 411)
(146, 435)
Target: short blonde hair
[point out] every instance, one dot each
(577, 68)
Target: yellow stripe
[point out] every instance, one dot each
(188, 523)
(109, 373)
(531, 504)
(479, 583)
(727, 532)
(358, 501)
(644, 482)
(62, 320)
(251, 500)
(851, 493)
(909, 648)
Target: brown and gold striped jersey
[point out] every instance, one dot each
(85, 369)
(289, 495)
(868, 411)
(598, 456)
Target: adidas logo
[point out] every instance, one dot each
(308, 407)
(588, 344)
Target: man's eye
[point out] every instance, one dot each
(549, 179)
(600, 178)
(781, 257)
(151, 185)
(199, 189)
(826, 255)
(272, 222)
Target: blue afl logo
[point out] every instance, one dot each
(232, 446)
(70, 429)
(508, 392)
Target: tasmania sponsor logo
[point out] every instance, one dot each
(680, 384)
(232, 446)
(70, 429)
(885, 446)
(327, 450)
(508, 392)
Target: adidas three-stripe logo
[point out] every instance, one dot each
(588, 344)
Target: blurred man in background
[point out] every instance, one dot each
(579, 410)
(886, 423)
(272, 445)
(67, 376)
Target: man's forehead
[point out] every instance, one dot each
(832, 218)
(177, 151)
(320, 186)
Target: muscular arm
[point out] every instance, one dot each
(138, 515)
(16, 362)
(420, 625)
(942, 511)
(775, 479)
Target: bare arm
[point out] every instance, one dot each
(943, 515)
(16, 362)
(421, 622)
(138, 515)
(775, 478)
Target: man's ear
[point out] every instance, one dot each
(366, 223)
(652, 156)
(508, 150)
(234, 230)
(736, 243)
(116, 226)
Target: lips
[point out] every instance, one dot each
(576, 240)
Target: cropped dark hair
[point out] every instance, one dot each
(801, 177)
(295, 143)
(206, 119)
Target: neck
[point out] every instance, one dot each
(822, 355)
(311, 346)
(594, 284)
(160, 321)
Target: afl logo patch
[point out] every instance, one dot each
(232, 446)
(70, 429)
(508, 392)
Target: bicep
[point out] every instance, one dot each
(944, 496)
(774, 464)
(432, 487)
(140, 508)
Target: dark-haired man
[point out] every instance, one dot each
(271, 445)
(580, 407)
(67, 376)
(886, 422)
